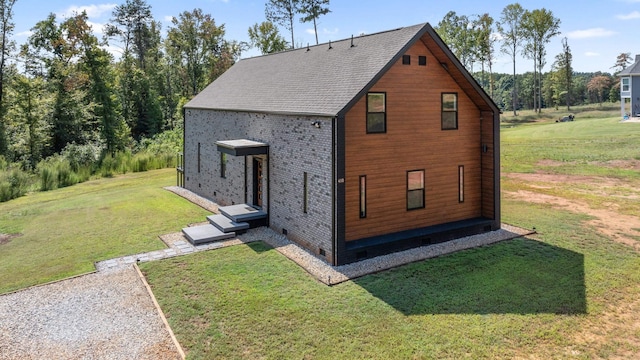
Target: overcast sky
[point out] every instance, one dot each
(597, 31)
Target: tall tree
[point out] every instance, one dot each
(27, 109)
(485, 41)
(6, 47)
(97, 65)
(458, 32)
(510, 28)
(539, 27)
(199, 44)
(564, 73)
(597, 86)
(59, 53)
(311, 10)
(132, 26)
(283, 12)
(266, 37)
(622, 61)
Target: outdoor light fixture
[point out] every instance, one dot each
(316, 124)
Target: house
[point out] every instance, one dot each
(630, 89)
(352, 149)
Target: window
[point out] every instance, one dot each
(449, 111)
(198, 157)
(363, 196)
(223, 165)
(415, 189)
(461, 183)
(376, 113)
(305, 195)
(406, 59)
(422, 60)
(625, 84)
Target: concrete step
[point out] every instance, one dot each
(205, 233)
(242, 213)
(226, 225)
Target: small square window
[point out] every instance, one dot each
(449, 111)
(376, 113)
(406, 59)
(422, 60)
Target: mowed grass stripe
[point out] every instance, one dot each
(66, 230)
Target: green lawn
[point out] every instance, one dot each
(65, 231)
(508, 300)
(567, 293)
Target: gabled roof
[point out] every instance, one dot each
(326, 79)
(633, 69)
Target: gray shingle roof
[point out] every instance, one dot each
(633, 69)
(317, 81)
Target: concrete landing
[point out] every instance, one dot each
(205, 233)
(242, 212)
(225, 224)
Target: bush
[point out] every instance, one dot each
(13, 183)
(82, 156)
(56, 172)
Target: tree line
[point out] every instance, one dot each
(524, 35)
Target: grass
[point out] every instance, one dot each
(66, 230)
(509, 300)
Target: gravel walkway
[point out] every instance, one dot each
(104, 315)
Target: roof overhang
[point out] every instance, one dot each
(242, 147)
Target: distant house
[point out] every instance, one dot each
(630, 89)
(352, 149)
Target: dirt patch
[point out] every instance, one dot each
(620, 228)
(6, 238)
(617, 323)
(622, 164)
(566, 179)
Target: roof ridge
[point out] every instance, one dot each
(304, 48)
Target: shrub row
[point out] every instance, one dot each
(79, 163)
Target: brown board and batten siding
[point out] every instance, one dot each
(414, 140)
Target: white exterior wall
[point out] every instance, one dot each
(295, 147)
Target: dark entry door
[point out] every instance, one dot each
(257, 182)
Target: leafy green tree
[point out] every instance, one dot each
(132, 25)
(97, 65)
(27, 110)
(312, 10)
(539, 27)
(59, 55)
(485, 51)
(266, 37)
(460, 34)
(198, 45)
(510, 28)
(6, 47)
(563, 72)
(283, 12)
